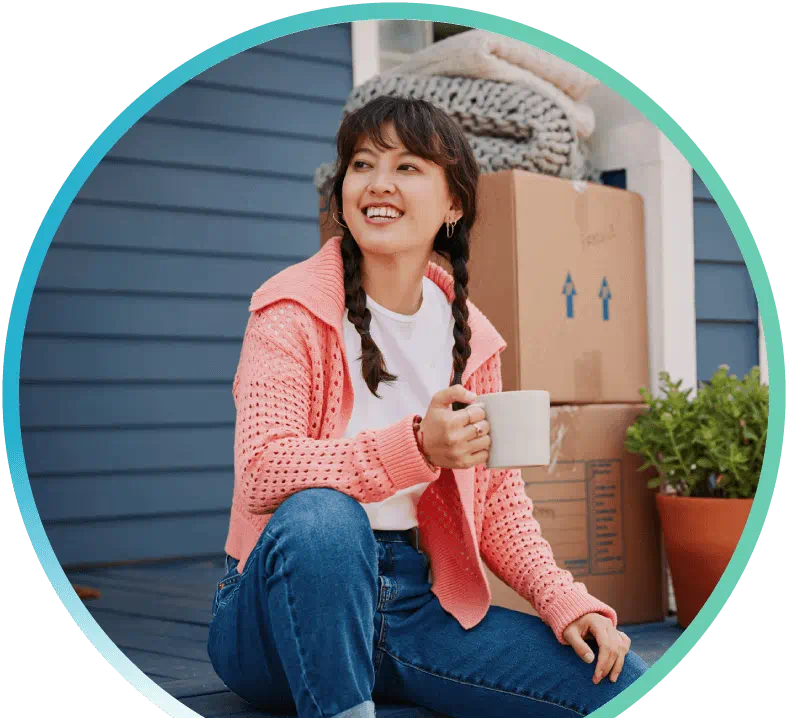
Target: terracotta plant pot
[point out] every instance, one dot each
(700, 537)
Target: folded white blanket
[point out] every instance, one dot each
(486, 55)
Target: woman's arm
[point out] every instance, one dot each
(513, 548)
(273, 398)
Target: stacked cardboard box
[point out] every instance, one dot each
(558, 267)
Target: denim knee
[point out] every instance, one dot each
(322, 521)
(634, 667)
(596, 696)
(320, 506)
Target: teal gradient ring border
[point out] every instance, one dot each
(383, 11)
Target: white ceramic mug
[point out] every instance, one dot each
(519, 428)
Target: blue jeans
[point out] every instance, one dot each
(330, 617)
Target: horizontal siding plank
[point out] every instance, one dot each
(714, 240)
(160, 576)
(190, 687)
(151, 604)
(210, 106)
(145, 538)
(202, 190)
(135, 330)
(331, 42)
(254, 71)
(177, 648)
(222, 150)
(126, 406)
(164, 646)
(85, 451)
(184, 599)
(114, 624)
(190, 569)
(229, 704)
(162, 231)
(167, 665)
(99, 360)
(176, 588)
(724, 292)
(733, 344)
(99, 270)
(699, 189)
(111, 315)
(85, 497)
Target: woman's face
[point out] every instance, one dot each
(415, 187)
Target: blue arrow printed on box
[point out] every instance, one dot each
(569, 291)
(605, 295)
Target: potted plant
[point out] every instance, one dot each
(708, 453)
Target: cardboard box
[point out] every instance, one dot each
(558, 266)
(597, 513)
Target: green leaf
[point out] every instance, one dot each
(676, 432)
(750, 434)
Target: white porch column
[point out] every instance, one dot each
(365, 46)
(764, 366)
(625, 139)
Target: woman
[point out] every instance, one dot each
(358, 528)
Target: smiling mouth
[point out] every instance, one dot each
(381, 219)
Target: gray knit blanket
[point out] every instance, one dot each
(508, 126)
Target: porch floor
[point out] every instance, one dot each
(158, 615)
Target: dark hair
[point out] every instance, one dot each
(426, 131)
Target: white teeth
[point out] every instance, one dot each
(382, 212)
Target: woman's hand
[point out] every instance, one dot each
(613, 644)
(451, 440)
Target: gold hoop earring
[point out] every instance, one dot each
(334, 215)
(450, 230)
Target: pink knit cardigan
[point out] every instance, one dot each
(294, 397)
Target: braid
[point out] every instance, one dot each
(373, 366)
(458, 255)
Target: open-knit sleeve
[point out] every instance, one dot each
(273, 452)
(515, 551)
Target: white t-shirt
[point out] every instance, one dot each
(417, 348)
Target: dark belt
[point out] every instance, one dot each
(413, 537)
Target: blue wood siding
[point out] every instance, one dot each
(725, 303)
(136, 322)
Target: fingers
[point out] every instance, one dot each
(573, 638)
(608, 642)
(482, 444)
(613, 646)
(456, 392)
(618, 665)
(477, 449)
(470, 434)
(454, 433)
(480, 457)
(622, 654)
(469, 415)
